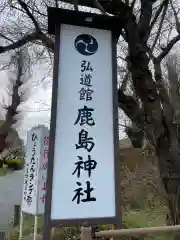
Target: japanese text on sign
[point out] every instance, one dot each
(30, 171)
(44, 169)
(84, 191)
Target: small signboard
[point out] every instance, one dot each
(35, 171)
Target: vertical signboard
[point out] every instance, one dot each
(84, 146)
(35, 169)
(84, 162)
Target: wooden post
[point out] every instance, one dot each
(53, 231)
(86, 233)
(2, 235)
(16, 215)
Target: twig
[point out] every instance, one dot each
(5, 37)
(18, 9)
(30, 15)
(144, 21)
(168, 48)
(176, 18)
(160, 25)
(125, 81)
(158, 12)
(133, 3)
(76, 7)
(127, 2)
(56, 3)
(100, 7)
(27, 38)
(48, 42)
(75, 3)
(123, 34)
(37, 11)
(122, 58)
(173, 41)
(122, 125)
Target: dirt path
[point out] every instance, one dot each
(10, 195)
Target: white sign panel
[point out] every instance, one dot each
(83, 177)
(35, 169)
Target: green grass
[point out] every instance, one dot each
(14, 164)
(143, 205)
(11, 165)
(60, 234)
(141, 219)
(131, 219)
(136, 218)
(2, 172)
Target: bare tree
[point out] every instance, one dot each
(151, 28)
(9, 138)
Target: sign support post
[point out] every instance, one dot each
(86, 233)
(83, 167)
(35, 226)
(21, 225)
(35, 169)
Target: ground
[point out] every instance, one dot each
(142, 195)
(11, 189)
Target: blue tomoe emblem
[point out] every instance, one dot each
(86, 44)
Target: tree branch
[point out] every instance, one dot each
(30, 15)
(56, 4)
(124, 81)
(48, 42)
(144, 22)
(168, 48)
(37, 11)
(133, 3)
(124, 59)
(131, 108)
(5, 37)
(27, 38)
(76, 7)
(158, 12)
(176, 19)
(75, 4)
(173, 41)
(123, 34)
(116, 7)
(16, 99)
(100, 7)
(18, 9)
(160, 25)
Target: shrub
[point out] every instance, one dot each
(15, 164)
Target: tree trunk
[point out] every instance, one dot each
(170, 176)
(158, 122)
(1, 164)
(2, 142)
